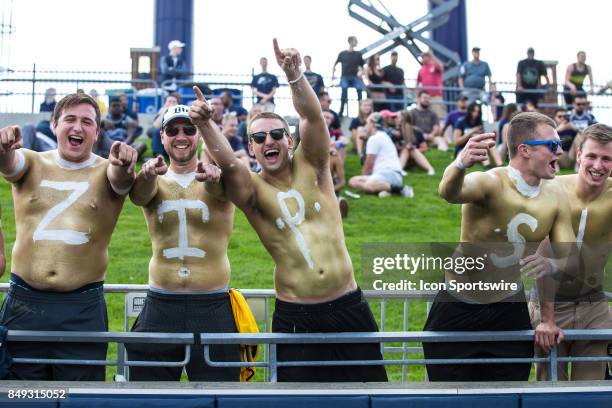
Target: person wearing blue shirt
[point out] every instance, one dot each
(472, 77)
(264, 86)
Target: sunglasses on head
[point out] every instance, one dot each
(187, 130)
(260, 137)
(553, 145)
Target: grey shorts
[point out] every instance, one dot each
(392, 177)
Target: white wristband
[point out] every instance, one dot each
(459, 163)
(296, 79)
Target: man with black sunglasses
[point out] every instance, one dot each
(580, 301)
(516, 204)
(190, 222)
(292, 206)
(580, 116)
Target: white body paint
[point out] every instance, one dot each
(184, 272)
(317, 206)
(521, 185)
(582, 227)
(517, 240)
(181, 207)
(67, 236)
(294, 220)
(183, 180)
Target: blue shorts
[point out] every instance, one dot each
(351, 82)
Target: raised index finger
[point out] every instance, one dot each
(277, 51)
(199, 94)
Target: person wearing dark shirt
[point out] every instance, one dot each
(228, 103)
(366, 107)
(49, 104)
(528, 74)
(510, 110)
(264, 86)
(455, 116)
(472, 125)
(568, 134)
(580, 117)
(315, 80)
(173, 67)
(393, 76)
(352, 63)
(325, 102)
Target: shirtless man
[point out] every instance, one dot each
(190, 224)
(67, 202)
(515, 204)
(292, 206)
(581, 302)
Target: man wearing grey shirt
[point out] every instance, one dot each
(472, 77)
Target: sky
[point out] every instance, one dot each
(231, 35)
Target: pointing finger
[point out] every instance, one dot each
(277, 51)
(199, 94)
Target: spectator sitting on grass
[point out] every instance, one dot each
(455, 116)
(470, 126)
(230, 131)
(427, 120)
(382, 171)
(366, 107)
(118, 126)
(243, 126)
(338, 140)
(336, 166)
(172, 99)
(570, 136)
(410, 143)
(510, 110)
(228, 104)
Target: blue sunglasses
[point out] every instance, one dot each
(553, 145)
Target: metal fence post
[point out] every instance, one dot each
(553, 363)
(273, 366)
(33, 85)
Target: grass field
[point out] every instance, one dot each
(424, 218)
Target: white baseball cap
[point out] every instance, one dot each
(175, 44)
(176, 112)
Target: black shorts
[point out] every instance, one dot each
(449, 314)
(84, 309)
(185, 313)
(349, 313)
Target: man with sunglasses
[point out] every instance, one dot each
(515, 204)
(580, 115)
(190, 223)
(580, 301)
(292, 206)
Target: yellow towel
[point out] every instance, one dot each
(245, 323)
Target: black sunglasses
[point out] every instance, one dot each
(187, 130)
(260, 137)
(553, 145)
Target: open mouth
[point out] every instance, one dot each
(553, 165)
(271, 155)
(75, 141)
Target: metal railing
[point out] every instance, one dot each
(274, 339)
(136, 292)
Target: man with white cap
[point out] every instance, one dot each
(190, 223)
(173, 67)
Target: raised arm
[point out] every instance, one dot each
(236, 177)
(145, 185)
(457, 188)
(120, 170)
(13, 164)
(314, 136)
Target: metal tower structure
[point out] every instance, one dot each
(411, 35)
